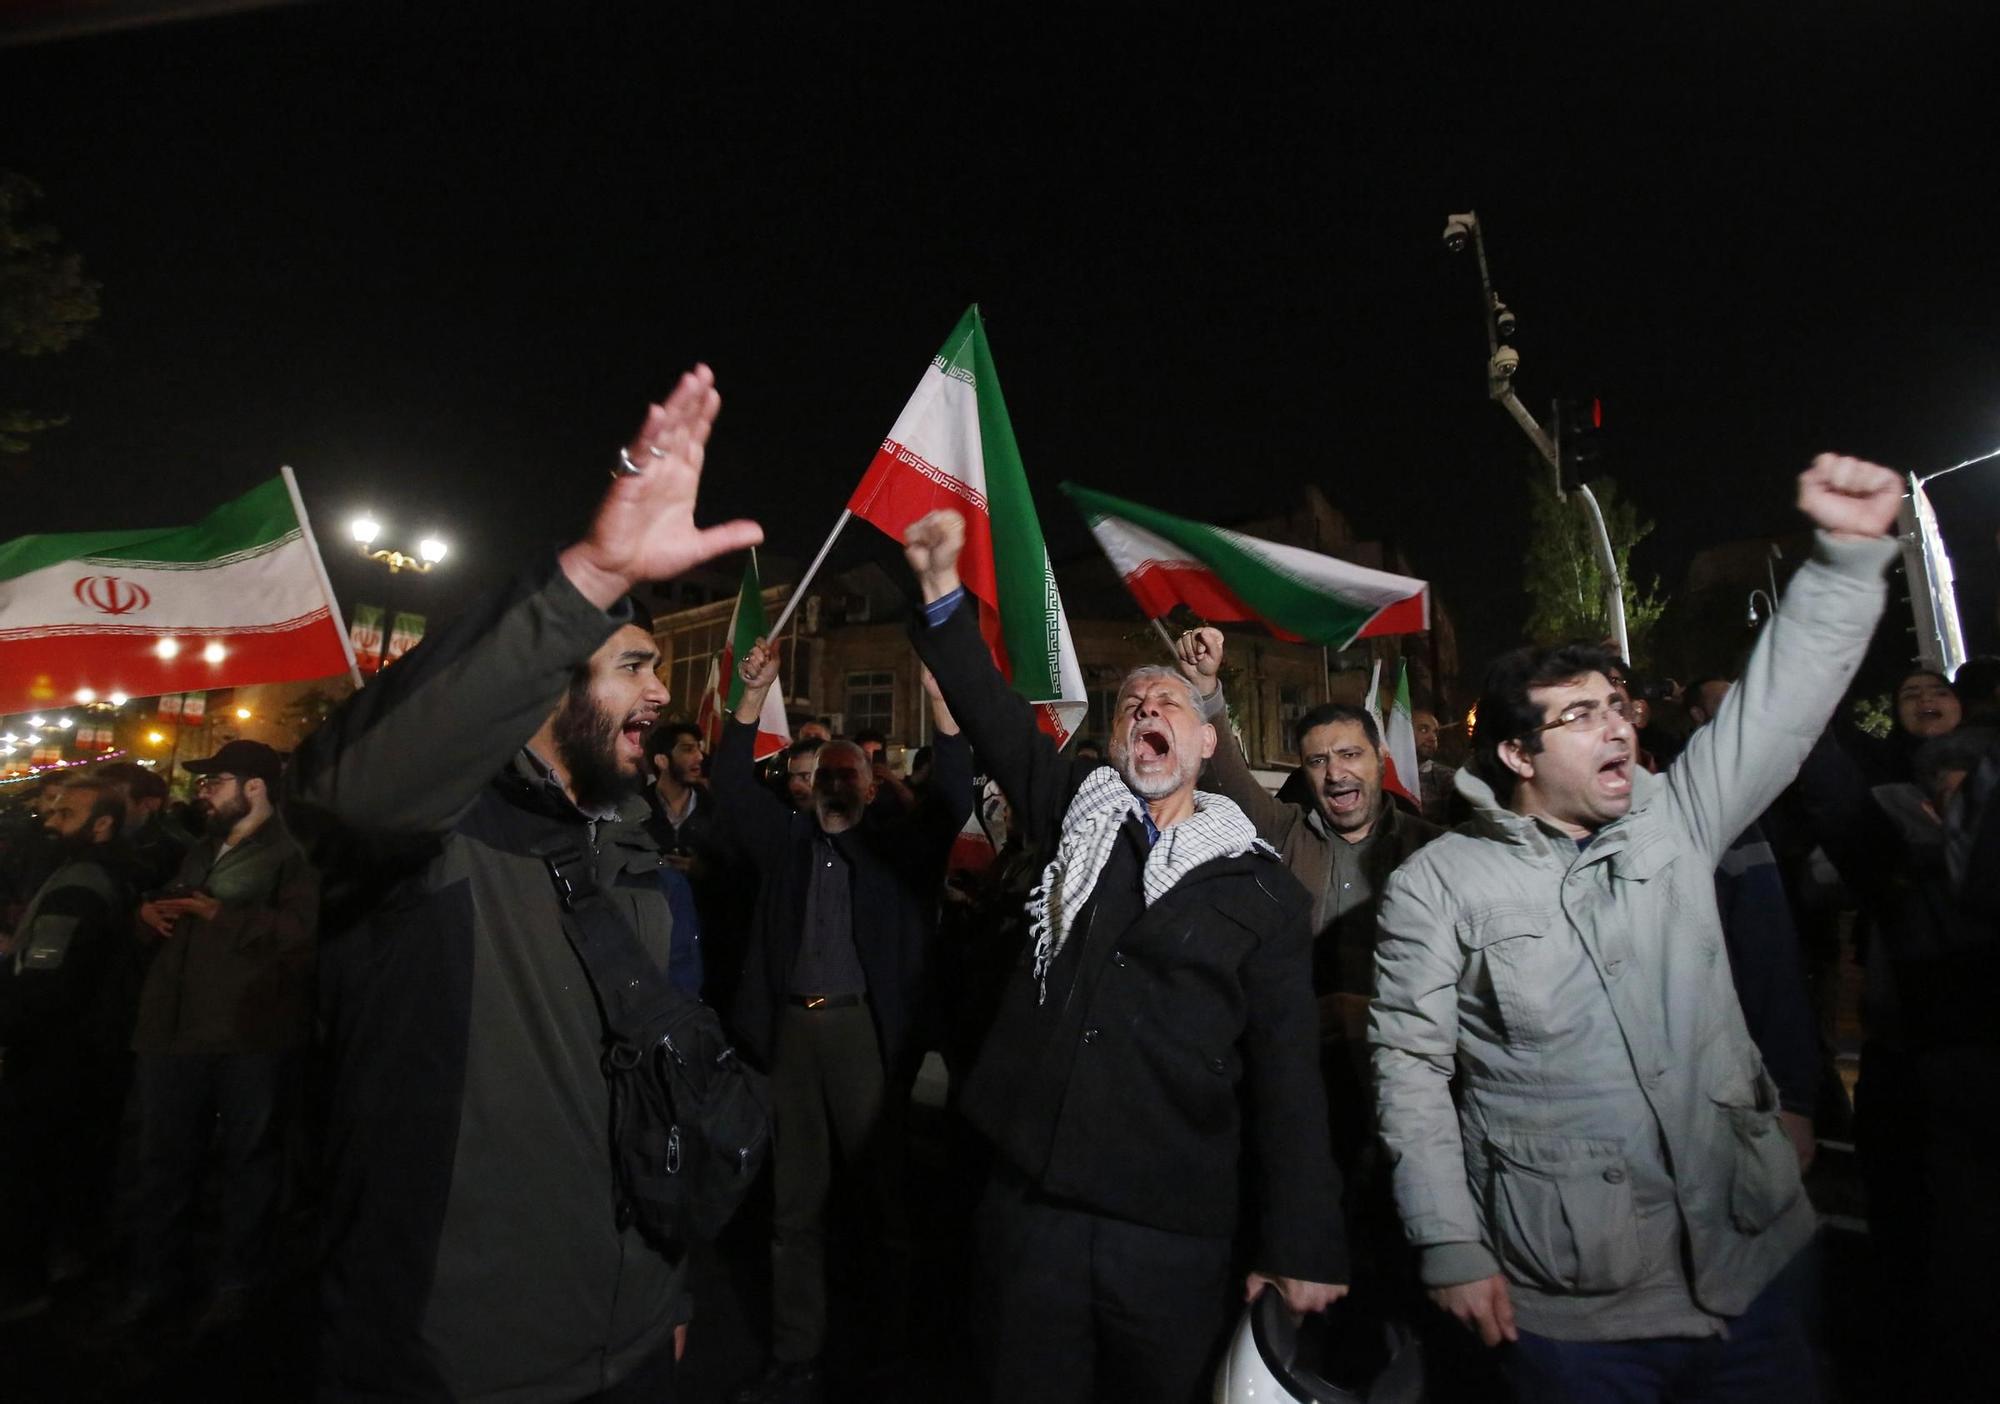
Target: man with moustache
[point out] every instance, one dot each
(65, 1010)
(1586, 1145)
(846, 903)
(1164, 988)
(478, 1246)
(1341, 847)
(224, 1018)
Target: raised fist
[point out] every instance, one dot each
(1200, 653)
(1850, 497)
(759, 668)
(933, 541)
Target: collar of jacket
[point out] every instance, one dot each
(530, 783)
(1617, 842)
(265, 833)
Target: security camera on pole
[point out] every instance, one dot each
(1502, 363)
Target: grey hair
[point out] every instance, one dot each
(1157, 670)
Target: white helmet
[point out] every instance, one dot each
(1346, 1355)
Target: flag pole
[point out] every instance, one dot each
(325, 585)
(799, 590)
(1375, 692)
(1166, 638)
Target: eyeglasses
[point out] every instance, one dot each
(1588, 716)
(212, 782)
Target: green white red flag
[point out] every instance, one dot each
(1225, 576)
(953, 446)
(725, 684)
(1399, 744)
(239, 597)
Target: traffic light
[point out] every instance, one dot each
(1579, 439)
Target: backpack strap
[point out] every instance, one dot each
(634, 999)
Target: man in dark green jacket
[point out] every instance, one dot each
(224, 1016)
(478, 1248)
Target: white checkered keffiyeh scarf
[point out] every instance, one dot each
(1216, 829)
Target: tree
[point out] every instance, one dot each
(1565, 587)
(46, 302)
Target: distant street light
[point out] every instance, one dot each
(365, 528)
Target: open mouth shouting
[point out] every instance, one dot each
(1614, 776)
(632, 733)
(1345, 798)
(1152, 745)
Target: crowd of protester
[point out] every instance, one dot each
(1526, 1076)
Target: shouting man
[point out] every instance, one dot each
(1342, 847)
(1165, 987)
(1587, 1147)
(479, 1246)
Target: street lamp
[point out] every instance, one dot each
(1503, 363)
(365, 528)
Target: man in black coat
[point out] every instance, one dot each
(847, 899)
(1158, 1030)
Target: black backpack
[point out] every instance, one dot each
(690, 1123)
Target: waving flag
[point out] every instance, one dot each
(240, 597)
(1225, 576)
(953, 446)
(725, 684)
(1399, 744)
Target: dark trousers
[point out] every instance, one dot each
(185, 1100)
(1766, 1355)
(1077, 1307)
(829, 1095)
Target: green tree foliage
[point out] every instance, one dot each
(46, 302)
(1565, 587)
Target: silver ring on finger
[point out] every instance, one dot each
(656, 450)
(625, 467)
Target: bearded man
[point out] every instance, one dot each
(479, 1247)
(65, 1014)
(223, 1020)
(1157, 1032)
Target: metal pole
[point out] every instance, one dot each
(1607, 565)
(799, 591)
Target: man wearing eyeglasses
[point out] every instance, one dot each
(1612, 1195)
(224, 1015)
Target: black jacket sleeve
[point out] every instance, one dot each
(756, 820)
(409, 753)
(1022, 758)
(1300, 1232)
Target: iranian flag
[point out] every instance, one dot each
(1225, 576)
(1399, 744)
(953, 446)
(725, 684)
(239, 597)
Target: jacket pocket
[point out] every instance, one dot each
(1512, 954)
(1764, 1170)
(1561, 1213)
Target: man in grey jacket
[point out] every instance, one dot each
(1612, 1192)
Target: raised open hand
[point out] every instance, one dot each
(644, 528)
(1850, 497)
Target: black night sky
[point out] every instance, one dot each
(436, 258)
